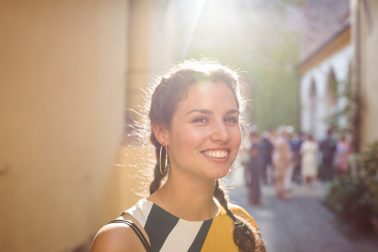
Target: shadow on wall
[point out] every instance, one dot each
(85, 246)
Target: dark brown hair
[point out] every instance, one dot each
(170, 90)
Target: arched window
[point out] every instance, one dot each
(313, 106)
(331, 92)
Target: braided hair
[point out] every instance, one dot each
(169, 91)
(243, 235)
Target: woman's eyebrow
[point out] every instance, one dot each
(209, 112)
(232, 111)
(203, 111)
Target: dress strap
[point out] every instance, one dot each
(137, 231)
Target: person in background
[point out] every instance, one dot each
(309, 152)
(194, 122)
(328, 150)
(281, 160)
(342, 156)
(253, 139)
(266, 156)
(289, 134)
(254, 167)
(295, 145)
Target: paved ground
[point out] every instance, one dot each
(302, 223)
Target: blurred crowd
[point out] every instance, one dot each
(281, 157)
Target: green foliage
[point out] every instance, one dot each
(369, 162)
(348, 111)
(347, 197)
(355, 198)
(372, 196)
(275, 92)
(297, 2)
(265, 51)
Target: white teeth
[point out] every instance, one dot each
(216, 154)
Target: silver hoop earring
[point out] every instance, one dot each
(163, 169)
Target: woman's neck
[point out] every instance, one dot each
(187, 198)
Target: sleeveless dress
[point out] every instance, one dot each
(169, 233)
(309, 151)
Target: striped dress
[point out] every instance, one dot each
(168, 233)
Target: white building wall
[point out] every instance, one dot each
(339, 62)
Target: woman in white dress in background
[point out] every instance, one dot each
(309, 152)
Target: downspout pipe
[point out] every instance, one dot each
(357, 77)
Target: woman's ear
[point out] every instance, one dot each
(161, 133)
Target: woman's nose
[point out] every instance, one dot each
(220, 132)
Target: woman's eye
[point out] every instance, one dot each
(200, 120)
(232, 120)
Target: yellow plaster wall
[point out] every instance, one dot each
(139, 54)
(62, 94)
(369, 82)
(137, 159)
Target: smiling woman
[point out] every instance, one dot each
(195, 129)
(203, 136)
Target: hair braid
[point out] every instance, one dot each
(155, 184)
(243, 235)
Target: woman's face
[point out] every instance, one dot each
(204, 135)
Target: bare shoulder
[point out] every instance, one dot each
(116, 237)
